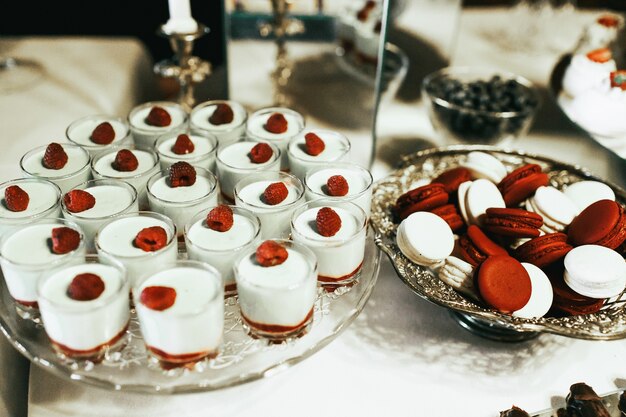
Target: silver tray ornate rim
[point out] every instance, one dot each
(386, 242)
(64, 371)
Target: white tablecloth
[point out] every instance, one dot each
(402, 356)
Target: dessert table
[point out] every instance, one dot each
(402, 356)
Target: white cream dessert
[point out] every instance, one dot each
(202, 155)
(112, 197)
(359, 182)
(602, 32)
(277, 301)
(259, 123)
(80, 132)
(221, 248)
(234, 163)
(340, 256)
(335, 148)
(117, 239)
(102, 167)
(274, 217)
(584, 74)
(27, 255)
(145, 134)
(181, 312)
(226, 132)
(85, 328)
(44, 202)
(181, 203)
(74, 172)
(367, 41)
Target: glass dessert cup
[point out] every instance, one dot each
(337, 149)
(75, 172)
(145, 135)
(79, 133)
(86, 330)
(115, 238)
(227, 133)
(203, 155)
(101, 168)
(233, 165)
(45, 203)
(359, 180)
(274, 218)
(274, 310)
(92, 219)
(176, 204)
(339, 257)
(206, 245)
(26, 257)
(190, 330)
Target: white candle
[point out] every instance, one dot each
(180, 18)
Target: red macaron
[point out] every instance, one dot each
(567, 302)
(452, 178)
(475, 247)
(423, 198)
(543, 250)
(512, 222)
(450, 214)
(602, 223)
(522, 183)
(504, 283)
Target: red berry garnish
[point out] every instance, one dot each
(314, 145)
(618, 79)
(275, 193)
(601, 55)
(182, 174)
(64, 240)
(276, 123)
(125, 161)
(364, 13)
(103, 134)
(151, 239)
(183, 145)
(54, 157)
(270, 253)
(337, 186)
(260, 153)
(159, 117)
(78, 200)
(158, 298)
(220, 218)
(15, 198)
(327, 221)
(608, 21)
(85, 287)
(222, 115)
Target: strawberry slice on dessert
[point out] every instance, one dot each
(103, 134)
(15, 198)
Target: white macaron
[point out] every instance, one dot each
(541, 294)
(459, 275)
(462, 194)
(425, 238)
(481, 195)
(554, 206)
(595, 271)
(483, 165)
(585, 193)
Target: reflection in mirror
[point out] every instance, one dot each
(320, 58)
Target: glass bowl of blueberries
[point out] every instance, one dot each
(479, 105)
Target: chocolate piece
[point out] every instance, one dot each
(582, 401)
(622, 403)
(514, 412)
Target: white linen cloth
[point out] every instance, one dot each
(402, 356)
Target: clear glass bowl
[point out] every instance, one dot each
(467, 123)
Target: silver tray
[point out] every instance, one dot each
(607, 324)
(241, 359)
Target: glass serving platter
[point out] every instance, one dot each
(241, 359)
(607, 324)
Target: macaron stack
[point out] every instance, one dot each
(514, 243)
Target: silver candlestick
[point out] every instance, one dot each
(185, 67)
